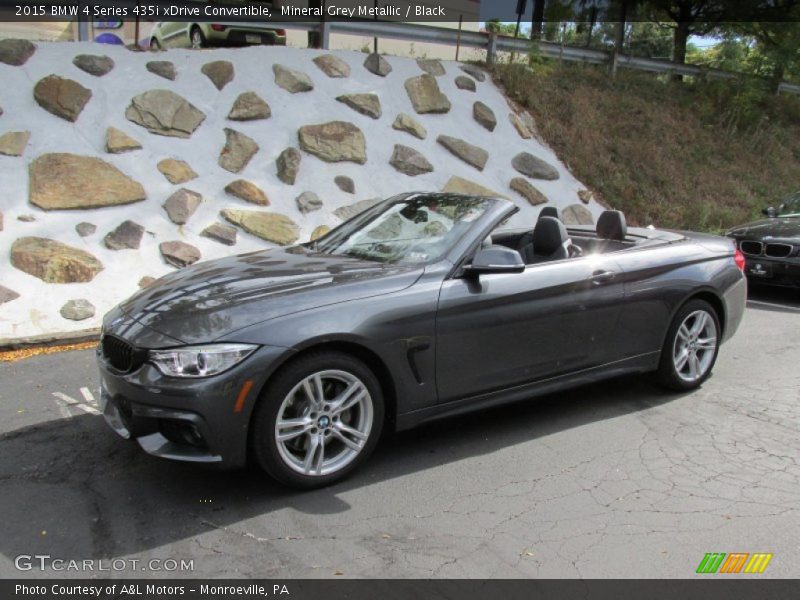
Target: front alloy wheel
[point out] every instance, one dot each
(691, 347)
(318, 420)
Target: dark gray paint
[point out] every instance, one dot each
(442, 340)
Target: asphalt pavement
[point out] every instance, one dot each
(617, 479)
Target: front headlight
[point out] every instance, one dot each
(200, 361)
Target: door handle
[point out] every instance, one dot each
(600, 277)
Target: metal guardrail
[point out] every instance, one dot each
(494, 43)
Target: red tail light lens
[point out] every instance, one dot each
(218, 27)
(281, 32)
(738, 258)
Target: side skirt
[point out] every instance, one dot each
(642, 363)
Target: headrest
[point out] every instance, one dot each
(548, 236)
(550, 211)
(611, 225)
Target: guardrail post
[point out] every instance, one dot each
(491, 49)
(613, 59)
(325, 35)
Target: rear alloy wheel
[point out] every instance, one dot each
(691, 347)
(320, 418)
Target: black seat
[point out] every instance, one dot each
(611, 226)
(550, 211)
(550, 240)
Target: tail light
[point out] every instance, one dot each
(738, 258)
(218, 27)
(281, 32)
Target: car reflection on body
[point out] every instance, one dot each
(418, 308)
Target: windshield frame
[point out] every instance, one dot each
(338, 235)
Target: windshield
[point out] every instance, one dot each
(411, 229)
(790, 207)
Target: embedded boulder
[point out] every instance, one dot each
(16, 52)
(163, 112)
(7, 294)
(460, 185)
(351, 210)
(127, 236)
(181, 205)
(307, 202)
(577, 214)
(425, 96)
(13, 143)
(179, 254)
(288, 164)
(319, 232)
(162, 68)
(247, 191)
(273, 227)
(62, 97)
(249, 106)
(291, 80)
(332, 66)
(470, 154)
(118, 142)
(237, 152)
(176, 171)
(344, 183)
(527, 164)
(521, 128)
(465, 83)
(220, 72)
(431, 66)
(409, 124)
(93, 64)
(474, 71)
(66, 181)
(85, 229)
(484, 115)
(335, 141)
(224, 234)
(78, 310)
(409, 161)
(585, 196)
(54, 262)
(528, 191)
(376, 64)
(366, 104)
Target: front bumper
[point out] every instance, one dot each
(773, 271)
(201, 420)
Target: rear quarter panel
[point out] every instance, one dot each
(659, 280)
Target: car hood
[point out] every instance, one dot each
(778, 228)
(206, 301)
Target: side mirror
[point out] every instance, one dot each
(496, 259)
(770, 212)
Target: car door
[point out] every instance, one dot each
(504, 330)
(171, 34)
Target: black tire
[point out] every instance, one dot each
(196, 31)
(155, 44)
(263, 445)
(667, 375)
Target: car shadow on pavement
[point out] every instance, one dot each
(73, 489)
(773, 299)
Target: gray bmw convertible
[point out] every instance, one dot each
(421, 307)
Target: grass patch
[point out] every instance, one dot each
(702, 155)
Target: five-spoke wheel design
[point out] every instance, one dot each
(324, 422)
(695, 346)
(691, 346)
(317, 420)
